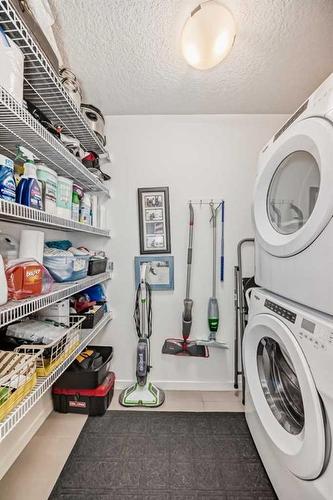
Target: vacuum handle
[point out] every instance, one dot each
(187, 318)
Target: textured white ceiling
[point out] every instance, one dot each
(127, 55)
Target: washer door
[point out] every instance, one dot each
(284, 395)
(293, 195)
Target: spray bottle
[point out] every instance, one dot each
(28, 190)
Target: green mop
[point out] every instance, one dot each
(213, 306)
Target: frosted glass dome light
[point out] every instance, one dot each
(208, 35)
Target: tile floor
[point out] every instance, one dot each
(40, 463)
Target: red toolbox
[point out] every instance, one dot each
(88, 401)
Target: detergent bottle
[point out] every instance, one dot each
(29, 192)
(7, 182)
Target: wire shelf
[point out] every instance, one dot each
(18, 126)
(41, 83)
(44, 383)
(20, 214)
(15, 310)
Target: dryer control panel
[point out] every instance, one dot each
(281, 311)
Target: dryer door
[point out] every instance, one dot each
(284, 395)
(293, 199)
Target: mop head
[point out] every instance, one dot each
(213, 343)
(181, 347)
(147, 395)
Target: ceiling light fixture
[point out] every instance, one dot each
(208, 35)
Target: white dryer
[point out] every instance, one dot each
(288, 358)
(293, 206)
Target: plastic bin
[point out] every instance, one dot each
(67, 268)
(87, 401)
(92, 317)
(97, 266)
(87, 379)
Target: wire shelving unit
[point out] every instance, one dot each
(18, 126)
(20, 214)
(17, 309)
(44, 383)
(42, 85)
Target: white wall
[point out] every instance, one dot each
(209, 156)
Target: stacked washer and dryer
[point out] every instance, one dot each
(288, 342)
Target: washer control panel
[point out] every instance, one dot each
(281, 311)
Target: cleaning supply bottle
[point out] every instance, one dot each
(85, 209)
(7, 181)
(30, 192)
(76, 203)
(21, 157)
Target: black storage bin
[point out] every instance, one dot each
(87, 379)
(97, 266)
(92, 317)
(91, 402)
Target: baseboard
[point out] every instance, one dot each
(187, 385)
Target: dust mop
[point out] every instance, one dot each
(213, 306)
(185, 347)
(143, 392)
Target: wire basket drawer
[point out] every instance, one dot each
(56, 352)
(18, 377)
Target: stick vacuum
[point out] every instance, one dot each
(142, 392)
(213, 306)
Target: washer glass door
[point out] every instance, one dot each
(293, 200)
(280, 385)
(293, 192)
(284, 395)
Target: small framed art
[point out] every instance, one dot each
(160, 271)
(154, 220)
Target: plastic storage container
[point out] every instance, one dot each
(66, 267)
(48, 179)
(27, 278)
(87, 379)
(11, 62)
(64, 197)
(92, 317)
(97, 266)
(87, 401)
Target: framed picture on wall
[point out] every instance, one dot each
(160, 272)
(154, 220)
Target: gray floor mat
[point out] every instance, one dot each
(128, 455)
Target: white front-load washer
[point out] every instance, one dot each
(293, 206)
(288, 363)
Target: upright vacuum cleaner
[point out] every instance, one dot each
(143, 392)
(184, 346)
(213, 306)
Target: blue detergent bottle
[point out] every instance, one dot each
(7, 181)
(31, 196)
(28, 190)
